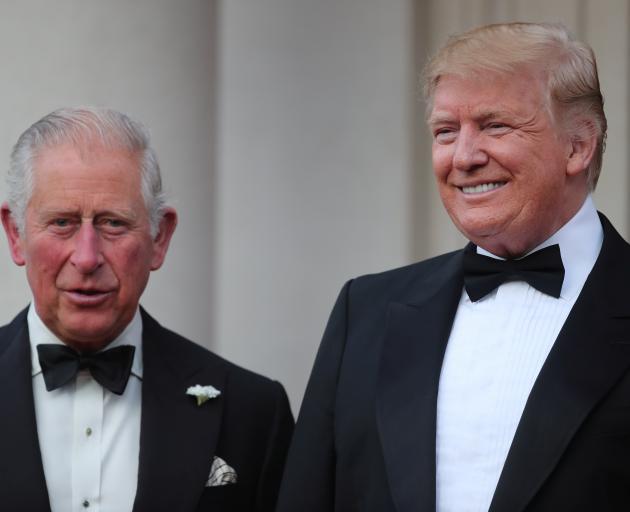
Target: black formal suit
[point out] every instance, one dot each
(365, 439)
(249, 426)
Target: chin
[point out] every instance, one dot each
(478, 230)
(484, 222)
(89, 333)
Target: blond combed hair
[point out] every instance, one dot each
(568, 66)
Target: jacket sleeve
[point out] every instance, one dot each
(309, 478)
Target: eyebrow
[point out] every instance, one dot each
(481, 116)
(439, 118)
(66, 212)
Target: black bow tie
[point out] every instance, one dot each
(542, 269)
(110, 368)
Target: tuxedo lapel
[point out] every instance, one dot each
(587, 359)
(177, 437)
(23, 485)
(417, 333)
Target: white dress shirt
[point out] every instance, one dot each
(89, 437)
(495, 351)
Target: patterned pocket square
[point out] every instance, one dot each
(220, 473)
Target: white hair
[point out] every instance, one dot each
(78, 126)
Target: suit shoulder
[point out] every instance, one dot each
(10, 330)
(419, 267)
(249, 395)
(190, 351)
(409, 277)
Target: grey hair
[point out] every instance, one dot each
(78, 126)
(569, 67)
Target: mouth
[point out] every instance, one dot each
(482, 187)
(87, 296)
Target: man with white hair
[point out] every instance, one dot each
(103, 408)
(495, 378)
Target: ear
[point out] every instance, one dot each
(13, 235)
(168, 223)
(582, 146)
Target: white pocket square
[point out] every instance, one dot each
(220, 473)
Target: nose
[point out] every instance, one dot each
(468, 152)
(87, 256)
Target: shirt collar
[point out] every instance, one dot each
(39, 333)
(580, 241)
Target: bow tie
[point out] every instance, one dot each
(542, 269)
(110, 368)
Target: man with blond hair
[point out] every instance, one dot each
(494, 378)
(103, 408)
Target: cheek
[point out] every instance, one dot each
(130, 263)
(441, 162)
(43, 262)
(546, 180)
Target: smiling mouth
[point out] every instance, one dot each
(483, 187)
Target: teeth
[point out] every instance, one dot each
(484, 187)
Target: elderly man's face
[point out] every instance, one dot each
(87, 245)
(505, 170)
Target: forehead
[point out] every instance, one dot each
(91, 172)
(68, 161)
(487, 95)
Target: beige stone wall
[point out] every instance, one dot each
(291, 138)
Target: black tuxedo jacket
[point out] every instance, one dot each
(365, 439)
(249, 426)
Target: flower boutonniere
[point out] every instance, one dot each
(203, 393)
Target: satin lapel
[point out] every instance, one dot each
(22, 481)
(411, 360)
(588, 358)
(177, 437)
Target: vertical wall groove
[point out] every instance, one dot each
(581, 18)
(421, 176)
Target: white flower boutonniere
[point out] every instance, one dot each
(203, 393)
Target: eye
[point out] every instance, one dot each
(61, 225)
(444, 135)
(497, 128)
(112, 225)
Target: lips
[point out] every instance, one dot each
(87, 297)
(482, 187)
